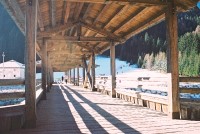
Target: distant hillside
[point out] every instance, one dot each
(11, 39)
(153, 40)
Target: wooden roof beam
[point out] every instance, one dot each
(40, 20)
(53, 31)
(102, 32)
(14, 10)
(124, 2)
(155, 19)
(66, 12)
(53, 12)
(80, 39)
(78, 11)
(127, 20)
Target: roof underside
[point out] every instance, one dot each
(76, 28)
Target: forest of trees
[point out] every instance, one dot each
(148, 49)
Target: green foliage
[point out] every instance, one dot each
(189, 57)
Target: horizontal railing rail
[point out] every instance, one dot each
(15, 94)
(8, 82)
(191, 90)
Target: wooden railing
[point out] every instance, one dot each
(15, 94)
(190, 80)
(190, 107)
(11, 114)
(151, 99)
(144, 91)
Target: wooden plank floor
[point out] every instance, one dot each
(73, 110)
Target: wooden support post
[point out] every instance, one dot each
(74, 79)
(83, 75)
(113, 73)
(48, 73)
(93, 71)
(88, 76)
(172, 40)
(30, 63)
(77, 76)
(70, 75)
(44, 68)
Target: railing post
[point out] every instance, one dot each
(113, 70)
(44, 68)
(30, 63)
(172, 56)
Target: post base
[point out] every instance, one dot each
(174, 115)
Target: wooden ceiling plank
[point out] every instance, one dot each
(124, 2)
(66, 12)
(87, 11)
(52, 12)
(118, 13)
(127, 20)
(102, 13)
(101, 31)
(155, 18)
(78, 11)
(56, 30)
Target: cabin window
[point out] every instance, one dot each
(14, 75)
(4, 75)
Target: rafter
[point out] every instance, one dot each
(80, 39)
(13, 8)
(66, 12)
(53, 12)
(118, 13)
(146, 24)
(101, 31)
(87, 11)
(40, 20)
(100, 15)
(78, 11)
(15, 12)
(127, 20)
(56, 30)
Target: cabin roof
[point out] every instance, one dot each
(76, 28)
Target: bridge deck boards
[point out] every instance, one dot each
(71, 109)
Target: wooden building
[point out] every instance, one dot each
(66, 33)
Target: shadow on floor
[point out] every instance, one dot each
(89, 121)
(109, 117)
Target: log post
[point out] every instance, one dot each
(88, 76)
(172, 56)
(44, 68)
(83, 74)
(113, 70)
(48, 73)
(93, 71)
(30, 63)
(70, 76)
(74, 78)
(77, 76)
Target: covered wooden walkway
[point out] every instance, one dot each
(71, 109)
